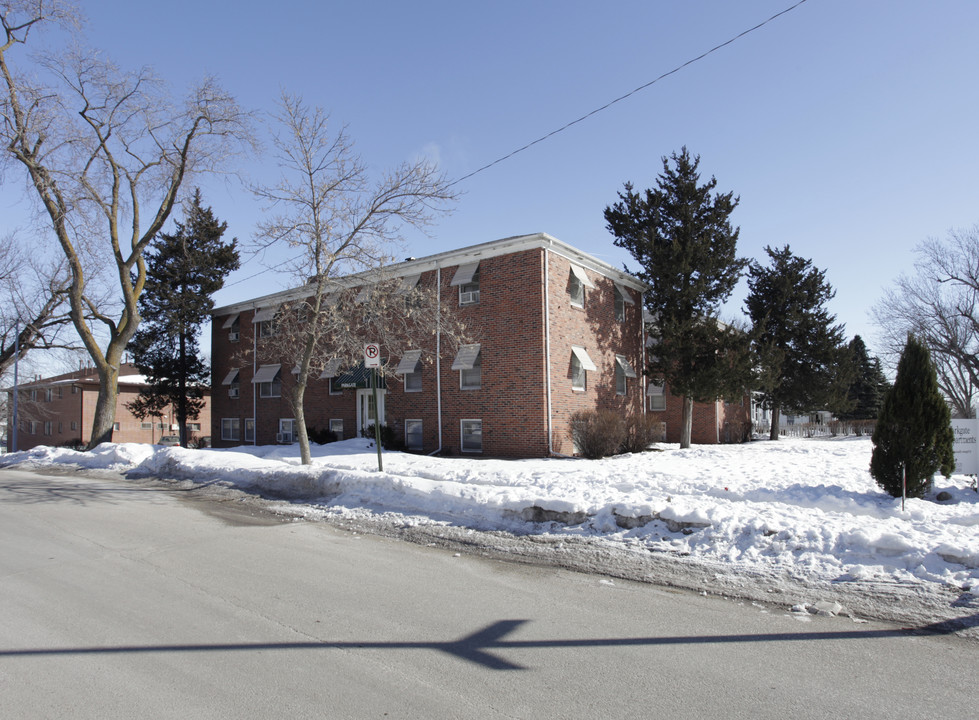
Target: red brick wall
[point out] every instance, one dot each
(594, 328)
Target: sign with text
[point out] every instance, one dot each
(372, 355)
(966, 446)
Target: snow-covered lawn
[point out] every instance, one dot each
(806, 508)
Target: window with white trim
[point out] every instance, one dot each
(287, 431)
(466, 278)
(471, 432)
(229, 428)
(146, 426)
(469, 363)
(577, 282)
(623, 371)
(410, 367)
(336, 427)
(656, 392)
(581, 363)
(250, 430)
(269, 381)
(413, 435)
(48, 427)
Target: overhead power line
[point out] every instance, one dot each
(629, 94)
(584, 117)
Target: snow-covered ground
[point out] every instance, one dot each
(803, 509)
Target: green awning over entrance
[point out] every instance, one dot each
(358, 377)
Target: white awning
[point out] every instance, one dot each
(331, 370)
(409, 283)
(626, 295)
(656, 388)
(582, 355)
(229, 322)
(230, 378)
(464, 274)
(579, 272)
(265, 313)
(409, 362)
(626, 367)
(266, 373)
(363, 295)
(466, 357)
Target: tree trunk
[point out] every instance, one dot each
(105, 405)
(182, 398)
(299, 413)
(776, 416)
(686, 423)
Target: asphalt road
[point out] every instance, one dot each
(121, 600)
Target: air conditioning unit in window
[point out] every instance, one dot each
(232, 392)
(233, 336)
(469, 298)
(284, 438)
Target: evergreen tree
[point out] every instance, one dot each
(914, 432)
(680, 234)
(184, 270)
(804, 364)
(866, 393)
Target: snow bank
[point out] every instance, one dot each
(799, 507)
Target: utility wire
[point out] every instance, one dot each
(607, 105)
(584, 117)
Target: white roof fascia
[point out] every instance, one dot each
(453, 258)
(582, 355)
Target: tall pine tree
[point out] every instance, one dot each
(866, 393)
(681, 235)
(804, 365)
(914, 429)
(184, 270)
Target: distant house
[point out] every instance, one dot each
(59, 411)
(559, 331)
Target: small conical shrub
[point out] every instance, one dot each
(914, 427)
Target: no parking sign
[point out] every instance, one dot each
(372, 355)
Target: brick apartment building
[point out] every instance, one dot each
(59, 411)
(559, 331)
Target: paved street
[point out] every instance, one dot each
(119, 600)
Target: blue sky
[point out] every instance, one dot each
(847, 127)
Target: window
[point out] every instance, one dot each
(466, 278)
(229, 428)
(33, 395)
(115, 426)
(250, 430)
(268, 380)
(48, 428)
(61, 428)
(74, 389)
(577, 282)
(265, 319)
(74, 424)
(287, 431)
(35, 426)
(233, 326)
(193, 427)
(622, 298)
(413, 434)
(468, 362)
(335, 387)
(656, 392)
(472, 436)
(580, 364)
(623, 371)
(146, 426)
(61, 393)
(48, 394)
(330, 372)
(336, 427)
(410, 367)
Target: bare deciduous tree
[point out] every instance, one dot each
(939, 304)
(344, 225)
(33, 303)
(105, 154)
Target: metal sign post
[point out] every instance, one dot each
(372, 360)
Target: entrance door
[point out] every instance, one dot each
(366, 414)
